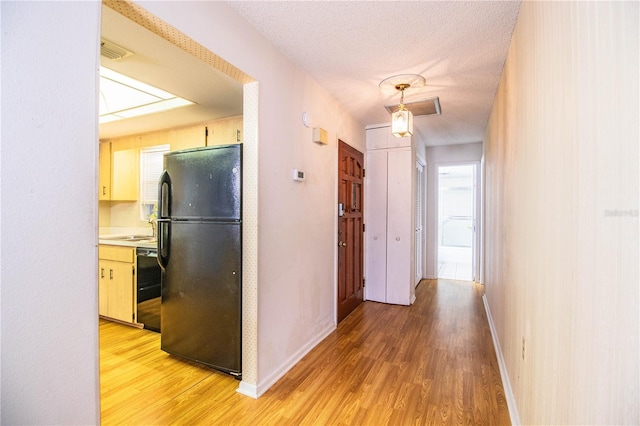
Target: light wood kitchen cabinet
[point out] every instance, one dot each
(119, 173)
(389, 218)
(104, 191)
(125, 174)
(225, 131)
(185, 138)
(116, 283)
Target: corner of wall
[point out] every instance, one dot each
(277, 374)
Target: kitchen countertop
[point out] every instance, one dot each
(108, 240)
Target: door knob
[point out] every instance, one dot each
(342, 244)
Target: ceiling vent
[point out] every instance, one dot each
(418, 108)
(112, 51)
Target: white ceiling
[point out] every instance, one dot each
(349, 47)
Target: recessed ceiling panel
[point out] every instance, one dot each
(418, 108)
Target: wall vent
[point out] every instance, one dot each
(112, 51)
(418, 108)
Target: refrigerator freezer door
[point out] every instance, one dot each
(204, 183)
(201, 294)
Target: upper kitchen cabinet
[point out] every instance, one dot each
(125, 170)
(187, 137)
(118, 173)
(225, 131)
(104, 191)
(177, 139)
(381, 138)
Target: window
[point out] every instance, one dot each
(151, 165)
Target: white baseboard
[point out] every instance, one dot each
(255, 391)
(504, 375)
(248, 389)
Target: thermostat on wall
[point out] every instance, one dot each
(298, 175)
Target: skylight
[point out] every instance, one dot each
(124, 97)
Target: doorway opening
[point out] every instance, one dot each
(457, 222)
(215, 66)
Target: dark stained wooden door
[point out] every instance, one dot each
(350, 229)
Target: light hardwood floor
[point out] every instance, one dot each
(431, 363)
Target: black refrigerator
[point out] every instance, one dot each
(200, 253)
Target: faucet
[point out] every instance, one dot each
(154, 226)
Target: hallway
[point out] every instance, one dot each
(431, 363)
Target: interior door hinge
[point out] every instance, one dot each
(364, 172)
(363, 281)
(363, 227)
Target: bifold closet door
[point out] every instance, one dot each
(399, 229)
(376, 227)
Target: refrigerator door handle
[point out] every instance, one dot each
(164, 231)
(164, 196)
(164, 221)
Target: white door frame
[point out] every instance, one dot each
(475, 249)
(420, 245)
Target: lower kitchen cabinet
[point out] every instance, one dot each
(116, 283)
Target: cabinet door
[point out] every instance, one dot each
(377, 138)
(121, 289)
(225, 131)
(189, 137)
(393, 142)
(376, 226)
(103, 288)
(104, 191)
(381, 138)
(125, 166)
(399, 232)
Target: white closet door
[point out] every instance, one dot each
(376, 226)
(378, 138)
(399, 227)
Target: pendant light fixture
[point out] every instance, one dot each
(401, 117)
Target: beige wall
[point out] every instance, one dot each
(48, 253)
(561, 156)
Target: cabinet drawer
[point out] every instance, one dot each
(118, 254)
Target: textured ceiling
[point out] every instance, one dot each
(349, 47)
